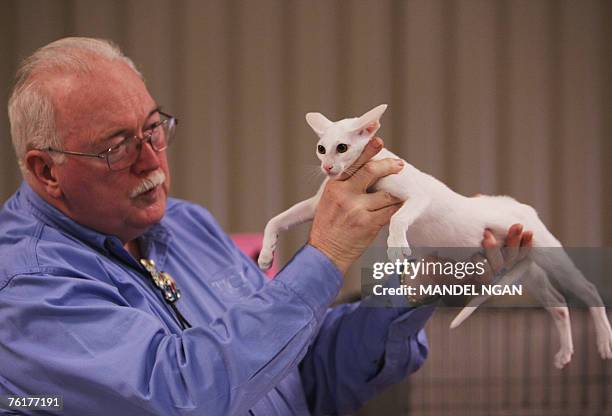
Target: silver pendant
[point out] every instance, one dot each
(163, 281)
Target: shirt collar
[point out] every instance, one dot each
(50, 215)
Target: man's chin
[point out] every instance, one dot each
(148, 217)
(150, 209)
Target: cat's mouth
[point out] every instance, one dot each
(333, 172)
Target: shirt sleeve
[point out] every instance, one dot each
(80, 339)
(359, 351)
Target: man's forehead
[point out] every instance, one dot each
(115, 86)
(100, 99)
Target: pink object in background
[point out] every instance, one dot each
(250, 244)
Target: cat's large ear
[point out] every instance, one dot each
(318, 122)
(369, 123)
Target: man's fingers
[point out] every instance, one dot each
(526, 244)
(492, 252)
(514, 235)
(373, 171)
(380, 199)
(369, 151)
(382, 216)
(517, 245)
(513, 240)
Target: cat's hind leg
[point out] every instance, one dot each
(602, 330)
(545, 293)
(559, 266)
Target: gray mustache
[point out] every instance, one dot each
(155, 179)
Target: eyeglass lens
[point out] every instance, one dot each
(128, 152)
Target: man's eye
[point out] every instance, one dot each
(341, 148)
(118, 147)
(321, 149)
(153, 126)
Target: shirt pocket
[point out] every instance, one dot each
(231, 283)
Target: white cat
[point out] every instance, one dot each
(435, 216)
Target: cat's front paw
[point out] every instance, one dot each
(265, 259)
(266, 256)
(397, 246)
(395, 254)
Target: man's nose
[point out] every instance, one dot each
(148, 159)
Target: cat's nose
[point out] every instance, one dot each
(328, 167)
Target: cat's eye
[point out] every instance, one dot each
(341, 148)
(321, 149)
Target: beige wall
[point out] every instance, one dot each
(507, 97)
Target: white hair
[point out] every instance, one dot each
(30, 108)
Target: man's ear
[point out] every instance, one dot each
(369, 123)
(318, 122)
(42, 169)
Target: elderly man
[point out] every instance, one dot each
(86, 311)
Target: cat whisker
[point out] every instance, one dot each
(313, 172)
(315, 177)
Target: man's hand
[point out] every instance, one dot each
(517, 245)
(347, 218)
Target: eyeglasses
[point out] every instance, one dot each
(124, 154)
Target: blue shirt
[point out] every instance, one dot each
(80, 318)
